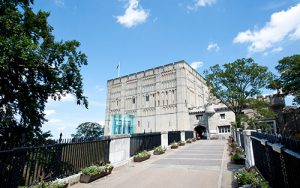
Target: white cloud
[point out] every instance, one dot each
(51, 120)
(274, 5)
(49, 112)
(66, 98)
(201, 3)
(274, 50)
(102, 122)
(269, 93)
(54, 121)
(197, 64)
(278, 49)
(59, 3)
(213, 46)
(266, 53)
(290, 97)
(61, 128)
(134, 15)
(96, 103)
(282, 25)
(100, 89)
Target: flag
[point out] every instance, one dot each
(118, 68)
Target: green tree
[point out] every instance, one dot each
(258, 111)
(89, 130)
(289, 80)
(33, 67)
(235, 83)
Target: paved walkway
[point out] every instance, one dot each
(195, 165)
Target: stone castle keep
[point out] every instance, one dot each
(165, 98)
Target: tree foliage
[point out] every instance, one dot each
(289, 80)
(234, 83)
(88, 130)
(33, 67)
(258, 110)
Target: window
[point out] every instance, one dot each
(147, 98)
(222, 116)
(117, 103)
(224, 129)
(133, 100)
(139, 123)
(199, 117)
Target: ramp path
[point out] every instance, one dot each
(196, 165)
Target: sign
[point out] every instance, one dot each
(122, 124)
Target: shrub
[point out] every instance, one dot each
(250, 177)
(247, 178)
(189, 141)
(109, 167)
(58, 183)
(174, 145)
(92, 170)
(181, 143)
(160, 149)
(233, 145)
(41, 184)
(55, 184)
(237, 155)
(142, 154)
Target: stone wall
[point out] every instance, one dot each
(119, 149)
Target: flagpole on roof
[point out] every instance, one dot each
(119, 66)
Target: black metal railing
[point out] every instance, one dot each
(189, 134)
(26, 165)
(289, 143)
(173, 136)
(281, 169)
(144, 141)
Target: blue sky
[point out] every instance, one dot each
(142, 34)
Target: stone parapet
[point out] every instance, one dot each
(119, 136)
(248, 147)
(164, 139)
(119, 149)
(182, 135)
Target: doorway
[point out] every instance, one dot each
(201, 132)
